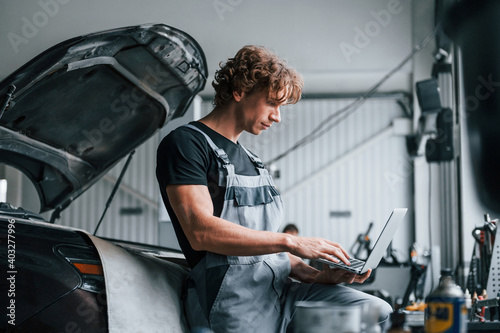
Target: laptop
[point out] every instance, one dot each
(384, 239)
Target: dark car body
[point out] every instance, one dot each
(66, 118)
(43, 282)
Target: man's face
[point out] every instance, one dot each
(256, 112)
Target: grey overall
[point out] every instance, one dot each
(253, 293)
(248, 298)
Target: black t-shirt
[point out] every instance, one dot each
(184, 157)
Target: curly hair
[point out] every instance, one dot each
(255, 67)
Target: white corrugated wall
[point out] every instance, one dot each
(358, 169)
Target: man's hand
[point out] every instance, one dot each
(305, 273)
(315, 248)
(336, 275)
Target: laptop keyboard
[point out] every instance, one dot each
(355, 263)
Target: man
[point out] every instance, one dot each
(291, 229)
(226, 211)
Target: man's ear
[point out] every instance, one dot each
(238, 95)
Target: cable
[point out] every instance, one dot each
(349, 109)
(430, 224)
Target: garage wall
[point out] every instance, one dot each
(333, 187)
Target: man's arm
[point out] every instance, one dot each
(194, 209)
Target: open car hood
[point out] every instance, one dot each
(82, 105)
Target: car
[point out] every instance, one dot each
(66, 118)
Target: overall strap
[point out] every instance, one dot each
(222, 157)
(220, 153)
(256, 160)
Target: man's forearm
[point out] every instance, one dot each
(193, 207)
(227, 238)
